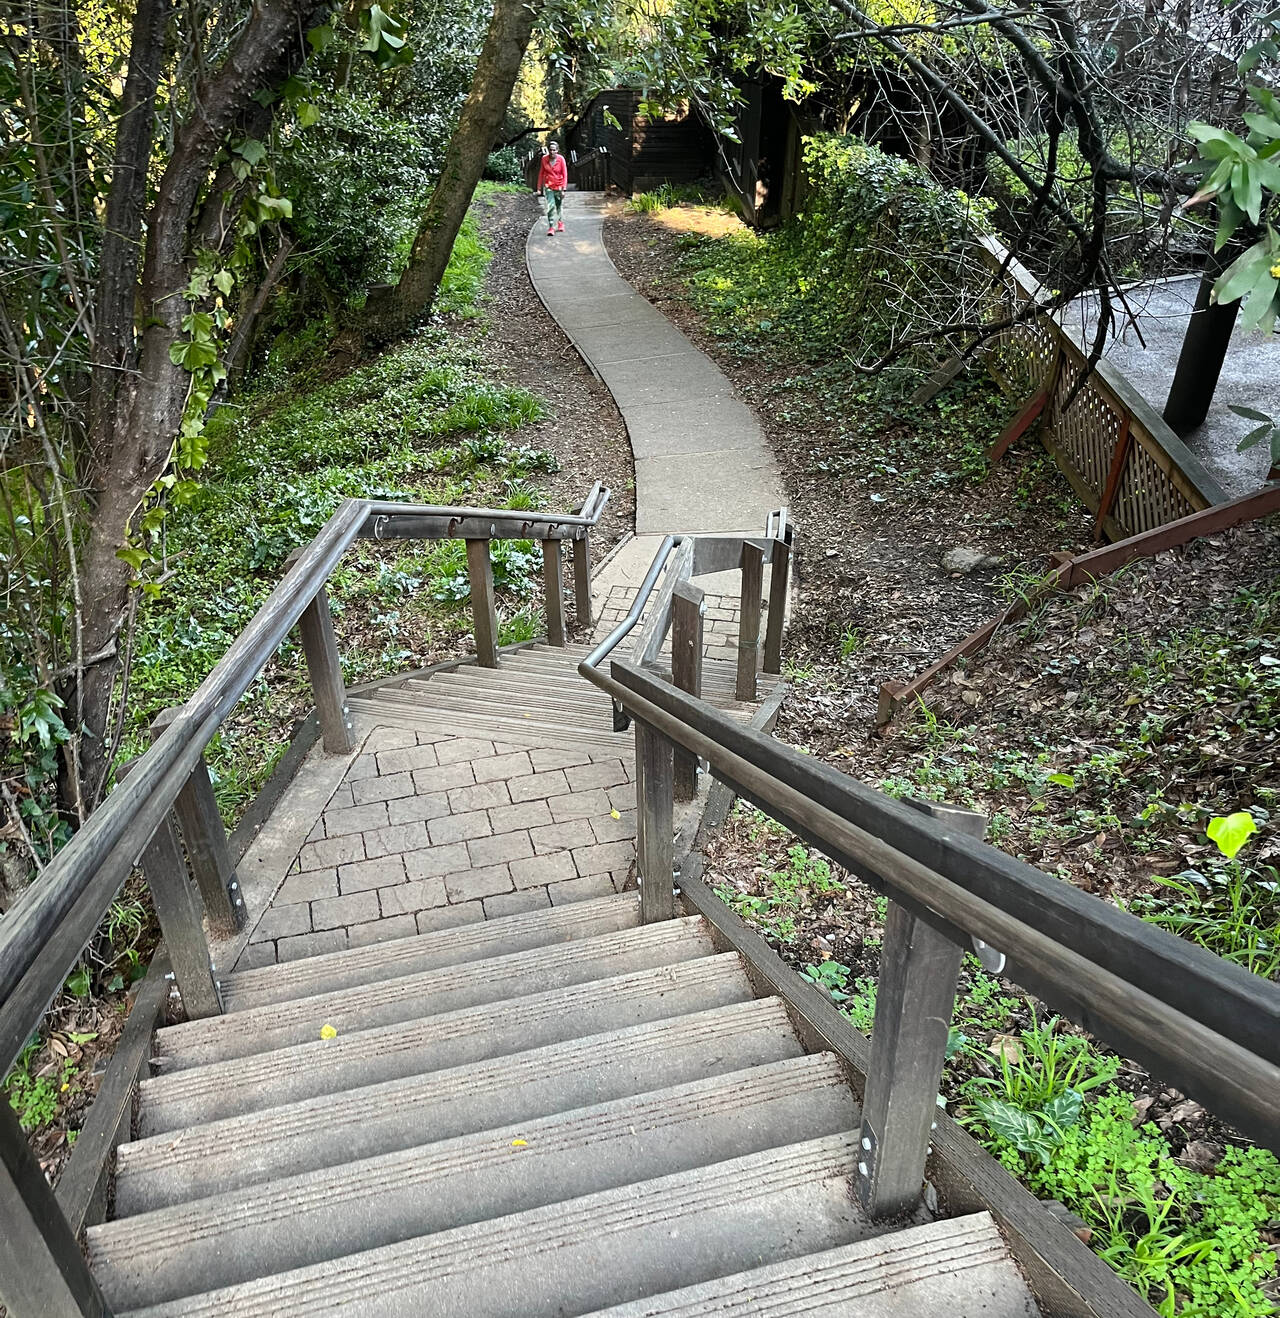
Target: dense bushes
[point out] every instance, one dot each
(876, 257)
(503, 166)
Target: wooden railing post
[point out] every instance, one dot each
(655, 851)
(484, 610)
(779, 581)
(179, 915)
(320, 646)
(687, 610)
(42, 1270)
(752, 562)
(582, 579)
(205, 837)
(915, 997)
(553, 589)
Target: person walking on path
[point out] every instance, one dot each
(553, 178)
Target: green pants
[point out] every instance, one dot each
(555, 204)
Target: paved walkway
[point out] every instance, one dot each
(702, 463)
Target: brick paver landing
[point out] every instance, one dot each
(428, 831)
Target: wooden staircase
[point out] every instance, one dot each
(535, 697)
(557, 1113)
(623, 1104)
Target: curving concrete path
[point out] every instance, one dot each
(702, 463)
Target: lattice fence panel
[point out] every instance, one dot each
(1147, 497)
(1083, 435)
(1086, 431)
(1022, 357)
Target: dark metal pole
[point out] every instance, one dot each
(1204, 349)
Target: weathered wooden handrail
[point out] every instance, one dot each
(46, 931)
(1192, 1018)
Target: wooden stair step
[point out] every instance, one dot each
(408, 997)
(242, 1085)
(251, 1148)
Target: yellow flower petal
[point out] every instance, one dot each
(519, 1144)
(328, 1032)
(613, 814)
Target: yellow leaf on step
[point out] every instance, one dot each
(613, 814)
(328, 1032)
(519, 1144)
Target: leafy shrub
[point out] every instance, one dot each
(878, 254)
(358, 179)
(503, 166)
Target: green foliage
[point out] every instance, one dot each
(1231, 909)
(1243, 175)
(525, 625)
(359, 180)
(1040, 1090)
(831, 976)
(1230, 832)
(1267, 430)
(787, 890)
(1188, 1241)
(503, 166)
(877, 255)
(1129, 215)
(463, 280)
(666, 195)
(424, 422)
(33, 1098)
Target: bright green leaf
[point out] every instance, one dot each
(1231, 832)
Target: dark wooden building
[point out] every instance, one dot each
(613, 143)
(641, 153)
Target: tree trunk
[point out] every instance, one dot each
(138, 408)
(390, 311)
(246, 323)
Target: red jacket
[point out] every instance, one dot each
(553, 173)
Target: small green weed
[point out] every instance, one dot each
(1232, 909)
(522, 626)
(1040, 1090)
(830, 976)
(34, 1098)
(851, 642)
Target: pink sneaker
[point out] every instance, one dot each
(560, 228)
(550, 231)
